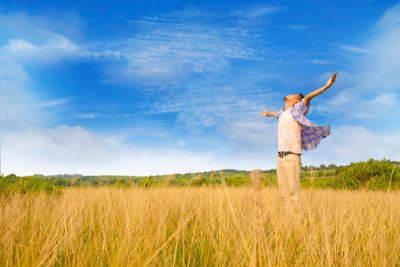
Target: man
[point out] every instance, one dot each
(295, 132)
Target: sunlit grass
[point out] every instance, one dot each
(203, 226)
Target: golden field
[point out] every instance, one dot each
(204, 226)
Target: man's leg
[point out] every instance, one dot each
(284, 188)
(292, 168)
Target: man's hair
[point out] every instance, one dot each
(301, 96)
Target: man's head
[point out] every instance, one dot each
(293, 98)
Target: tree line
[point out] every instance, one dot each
(372, 175)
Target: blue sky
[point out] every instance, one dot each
(167, 87)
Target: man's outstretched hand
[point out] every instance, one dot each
(331, 80)
(264, 113)
(320, 90)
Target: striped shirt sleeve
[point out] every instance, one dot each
(278, 113)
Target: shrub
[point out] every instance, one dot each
(374, 175)
(237, 181)
(269, 180)
(31, 184)
(178, 182)
(318, 183)
(148, 182)
(200, 182)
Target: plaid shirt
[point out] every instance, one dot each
(311, 134)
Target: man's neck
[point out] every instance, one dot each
(289, 104)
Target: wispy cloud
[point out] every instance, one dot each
(49, 38)
(383, 106)
(382, 64)
(390, 19)
(298, 27)
(20, 45)
(239, 97)
(40, 38)
(370, 89)
(88, 115)
(51, 47)
(353, 104)
(353, 49)
(320, 61)
(54, 103)
(52, 41)
(255, 12)
(181, 43)
(189, 59)
(17, 96)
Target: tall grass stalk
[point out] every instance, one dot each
(258, 223)
(168, 179)
(391, 177)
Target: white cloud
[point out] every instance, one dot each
(44, 38)
(255, 145)
(87, 115)
(371, 89)
(20, 45)
(221, 106)
(52, 41)
(253, 138)
(166, 48)
(352, 144)
(68, 149)
(173, 46)
(54, 103)
(390, 19)
(352, 103)
(49, 38)
(387, 100)
(255, 12)
(382, 65)
(320, 61)
(17, 96)
(55, 47)
(44, 150)
(353, 49)
(21, 25)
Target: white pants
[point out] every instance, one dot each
(289, 172)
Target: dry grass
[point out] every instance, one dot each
(199, 227)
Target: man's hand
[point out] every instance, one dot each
(310, 96)
(331, 80)
(264, 113)
(267, 113)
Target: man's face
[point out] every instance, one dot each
(293, 98)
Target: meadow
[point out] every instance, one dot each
(199, 226)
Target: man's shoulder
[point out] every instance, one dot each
(301, 107)
(300, 104)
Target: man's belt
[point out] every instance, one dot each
(282, 154)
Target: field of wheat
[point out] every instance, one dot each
(204, 226)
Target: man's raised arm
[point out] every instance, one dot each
(320, 90)
(267, 113)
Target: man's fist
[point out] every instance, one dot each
(264, 113)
